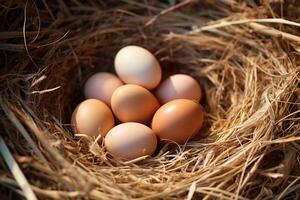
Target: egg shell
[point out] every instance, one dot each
(101, 86)
(177, 121)
(92, 117)
(136, 65)
(130, 140)
(178, 86)
(133, 103)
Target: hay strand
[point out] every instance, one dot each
(16, 171)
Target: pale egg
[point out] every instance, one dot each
(136, 65)
(178, 86)
(130, 140)
(101, 86)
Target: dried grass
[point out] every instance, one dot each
(243, 53)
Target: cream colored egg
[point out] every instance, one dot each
(130, 140)
(101, 86)
(136, 65)
(178, 86)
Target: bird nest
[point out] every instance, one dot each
(245, 54)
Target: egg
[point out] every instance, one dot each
(178, 86)
(177, 121)
(130, 140)
(101, 86)
(92, 117)
(136, 65)
(133, 103)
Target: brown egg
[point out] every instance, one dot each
(178, 120)
(92, 117)
(130, 140)
(178, 86)
(101, 86)
(133, 103)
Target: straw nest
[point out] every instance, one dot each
(245, 55)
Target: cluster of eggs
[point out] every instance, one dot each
(148, 111)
